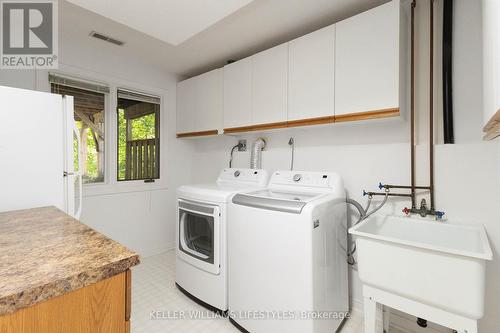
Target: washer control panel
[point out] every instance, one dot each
(302, 178)
(251, 176)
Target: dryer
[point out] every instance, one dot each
(287, 255)
(201, 229)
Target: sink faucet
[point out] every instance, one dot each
(423, 208)
(423, 211)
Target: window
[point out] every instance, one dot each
(89, 114)
(138, 136)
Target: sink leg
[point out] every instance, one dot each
(386, 319)
(370, 309)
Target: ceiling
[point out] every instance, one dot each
(171, 21)
(208, 37)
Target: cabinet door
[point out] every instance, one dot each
(238, 94)
(269, 85)
(311, 75)
(208, 101)
(185, 106)
(367, 61)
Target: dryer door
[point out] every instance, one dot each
(199, 233)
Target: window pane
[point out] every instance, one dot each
(138, 140)
(89, 117)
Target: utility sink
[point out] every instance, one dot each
(430, 267)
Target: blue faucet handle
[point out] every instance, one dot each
(439, 215)
(380, 185)
(364, 193)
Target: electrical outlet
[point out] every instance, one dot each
(242, 145)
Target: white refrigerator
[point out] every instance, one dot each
(39, 145)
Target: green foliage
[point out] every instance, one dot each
(140, 128)
(92, 175)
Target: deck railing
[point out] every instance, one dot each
(142, 159)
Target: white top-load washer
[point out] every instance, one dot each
(287, 255)
(201, 229)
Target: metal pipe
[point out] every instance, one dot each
(412, 104)
(412, 187)
(431, 104)
(447, 60)
(389, 194)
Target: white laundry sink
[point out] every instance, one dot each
(438, 264)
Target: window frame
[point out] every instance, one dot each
(111, 185)
(106, 119)
(158, 125)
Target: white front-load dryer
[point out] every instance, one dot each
(201, 235)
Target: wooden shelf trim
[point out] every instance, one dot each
(311, 121)
(492, 132)
(377, 114)
(494, 120)
(259, 127)
(193, 134)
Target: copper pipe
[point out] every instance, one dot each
(412, 103)
(388, 194)
(431, 104)
(404, 187)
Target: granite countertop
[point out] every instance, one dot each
(45, 253)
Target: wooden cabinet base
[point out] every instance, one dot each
(98, 308)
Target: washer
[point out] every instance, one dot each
(287, 255)
(201, 251)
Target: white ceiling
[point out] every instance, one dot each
(252, 28)
(172, 21)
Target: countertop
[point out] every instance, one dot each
(46, 253)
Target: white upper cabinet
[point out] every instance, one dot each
(311, 75)
(185, 106)
(269, 85)
(238, 94)
(491, 67)
(200, 102)
(367, 58)
(209, 101)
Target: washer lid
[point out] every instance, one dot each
(275, 200)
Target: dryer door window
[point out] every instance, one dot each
(197, 235)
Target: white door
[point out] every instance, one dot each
(208, 101)
(367, 61)
(198, 238)
(32, 139)
(185, 106)
(238, 94)
(73, 185)
(269, 85)
(311, 75)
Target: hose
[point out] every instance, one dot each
(363, 214)
(291, 143)
(379, 206)
(231, 155)
(256, 156)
